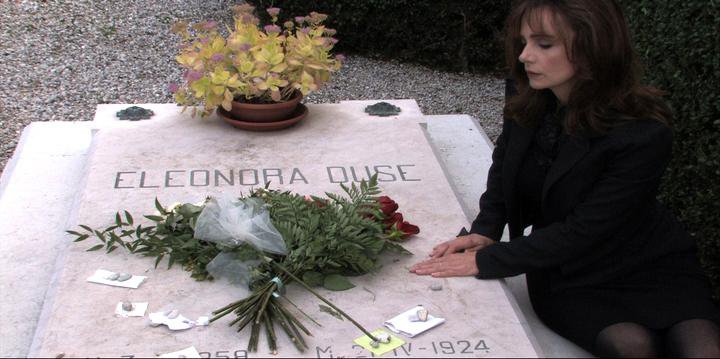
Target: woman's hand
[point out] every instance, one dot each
(451, 265)
(469, 243)
(447, 260)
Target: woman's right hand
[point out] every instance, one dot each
(470, 243)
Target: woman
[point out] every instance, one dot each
(580, 158)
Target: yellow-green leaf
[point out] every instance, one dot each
(218, 44)
(276, 58)
(246, 66)
(315, 66)
(219, 76)
(234, 82)
(186, 59)
(279, 68)
(218, 89)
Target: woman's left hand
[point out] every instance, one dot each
(449, 265)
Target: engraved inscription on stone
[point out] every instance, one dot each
(259, 176)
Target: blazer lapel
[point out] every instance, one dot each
(571, 151)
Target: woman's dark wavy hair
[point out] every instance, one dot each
(607, 90)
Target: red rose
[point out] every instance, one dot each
(387, 205)
(319, 202)
(396, 217)
(408, 229)
(397, 227)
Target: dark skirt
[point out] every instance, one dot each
(670, 290)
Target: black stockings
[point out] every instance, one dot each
(627, 340)
(694, 338)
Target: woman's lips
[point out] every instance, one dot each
(532, 74)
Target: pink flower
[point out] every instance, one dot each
(173, 87)
(194, 76)
(204, 40)
(247, 19)
(244, 8)
(217, 57)
(299, 19)
(317, 17)
(244, 47)
(209, 25)
(272, 29)
(305, 30)
(333, 40)
(330, 32)
(340, 57)
(273, 11)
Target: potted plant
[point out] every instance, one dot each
(265, 68)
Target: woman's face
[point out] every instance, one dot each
(545, 57)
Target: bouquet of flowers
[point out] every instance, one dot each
(267, 240)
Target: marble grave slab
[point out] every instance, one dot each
(180, 159)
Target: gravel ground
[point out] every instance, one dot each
(59, 59)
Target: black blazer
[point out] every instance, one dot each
(600, 214)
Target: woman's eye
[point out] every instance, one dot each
(545, 46)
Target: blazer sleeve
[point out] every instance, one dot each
(630, 180)
(492, 218)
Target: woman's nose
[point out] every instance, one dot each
(525, 55)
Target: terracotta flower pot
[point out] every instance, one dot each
(271, 112)
(300, 112)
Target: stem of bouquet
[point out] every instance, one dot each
(261, 308)
(280, 267)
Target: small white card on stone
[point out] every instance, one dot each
(102, 276)
(190, 352)
(172, 318)
(402, 323)
(137, 310)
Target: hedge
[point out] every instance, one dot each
(677, 41)
(454, 35)
(680, 48)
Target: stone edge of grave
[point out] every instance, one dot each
(57, 152)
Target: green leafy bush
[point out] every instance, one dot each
(457, 35)
(678, 43)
